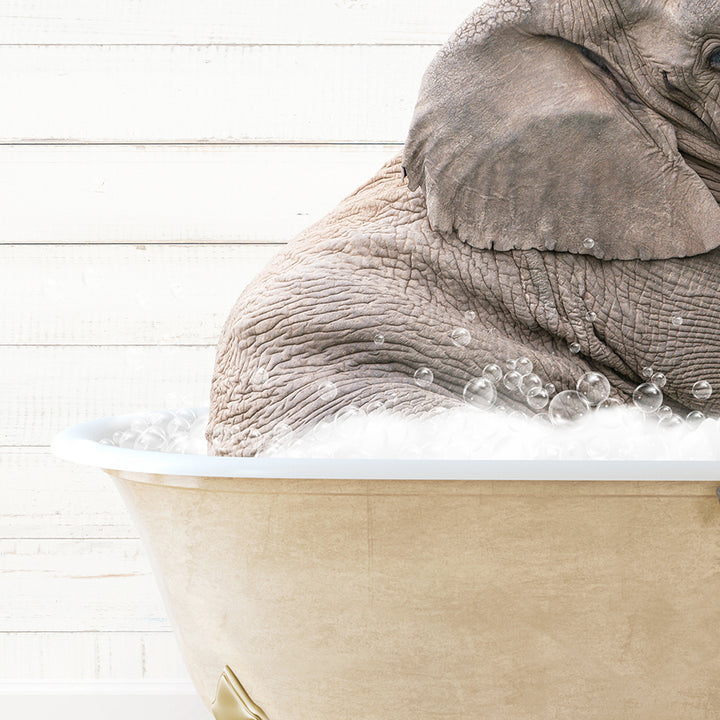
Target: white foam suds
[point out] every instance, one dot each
(464, 433)
(619, 433)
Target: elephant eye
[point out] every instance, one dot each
(714, 59)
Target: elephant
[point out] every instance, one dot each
(556, 199)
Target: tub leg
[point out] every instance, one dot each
(232, 702)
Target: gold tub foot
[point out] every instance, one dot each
(232, 702)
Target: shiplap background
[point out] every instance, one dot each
(154, 154)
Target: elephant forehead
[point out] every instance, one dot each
(703, 13)
(673, 37)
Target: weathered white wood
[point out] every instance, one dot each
(61, 588)
(45, 389)
(44, 497)
(109, 701)
(220, 94)
(77, 585)
(122, 294)
(200, 194)
(82, 656)
(221, 21)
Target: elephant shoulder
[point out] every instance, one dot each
(384, 200)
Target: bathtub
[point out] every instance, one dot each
(398, 590)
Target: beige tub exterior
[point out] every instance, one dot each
(390, 598)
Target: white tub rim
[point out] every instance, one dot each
(80, 444)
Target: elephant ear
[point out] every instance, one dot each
(522, 141)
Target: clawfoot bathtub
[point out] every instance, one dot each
(398, 590)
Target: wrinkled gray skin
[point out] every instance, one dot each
(539, 124)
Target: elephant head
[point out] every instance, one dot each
(576, 127)
(557, 194)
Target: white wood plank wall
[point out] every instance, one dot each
(154, 154)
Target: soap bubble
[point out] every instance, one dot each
(470, 315)
(378, 338)
(181, 421)
(125, 438)
(591, 316)
(575, 348)
(538, 398)
(424, 377)
(118, 435)
(658, 379)
(480, 393)
(664, 411)
(510, 364)
(566, 407)
(608, 403)
(166, 431)
(694, 419)
(588, 243)
(460, 337)
(677, 320)
(524, 366)
(550, 387)
(328, 390)
(178, 425)
(259, 377)
(512, 380)
(187, 414)
(347, 411)
(493, 372)
(594, 387)
(647, 372)
(702, 390)
(647, 397)
(530, 382)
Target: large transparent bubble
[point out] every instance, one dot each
(480, 393)
(567, 407)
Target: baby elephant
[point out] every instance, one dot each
(556, 200)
